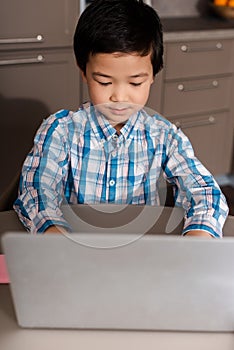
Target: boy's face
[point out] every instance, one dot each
(119, 83)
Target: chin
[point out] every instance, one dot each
(118, 112)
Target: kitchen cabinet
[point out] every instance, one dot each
(29, 93)
(197, 95)
(38, 73)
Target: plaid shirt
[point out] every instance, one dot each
(79, 156)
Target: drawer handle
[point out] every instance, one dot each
(38, 59)
(213, 85)
(187, 48)
(38, 39)
(208, 121)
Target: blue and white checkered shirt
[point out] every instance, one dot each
(80, 156)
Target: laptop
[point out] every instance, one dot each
(121, 281)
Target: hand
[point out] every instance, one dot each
(198, 233)
(55, 229)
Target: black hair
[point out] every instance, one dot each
(127, 26)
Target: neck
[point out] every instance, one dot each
(118, 127)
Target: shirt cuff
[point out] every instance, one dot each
(47, 218)
(204, 223)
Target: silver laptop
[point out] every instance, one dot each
(121, 281)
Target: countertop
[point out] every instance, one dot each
(196, 28)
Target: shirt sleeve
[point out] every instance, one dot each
(195, 188)
(43, 174)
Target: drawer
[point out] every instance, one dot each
(211, 137)
(193, 58)
(48, 76)
(198, 95)
(37, 24)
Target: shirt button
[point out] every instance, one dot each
(112, 182)
(115, 137)
(102, 142)
(114, 154)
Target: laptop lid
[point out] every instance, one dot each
(116, 281)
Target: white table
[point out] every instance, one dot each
(14, 338)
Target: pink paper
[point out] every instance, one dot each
(4, 278)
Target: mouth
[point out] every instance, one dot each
(119, 110)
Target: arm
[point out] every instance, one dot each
(43, 175)
(196, 190)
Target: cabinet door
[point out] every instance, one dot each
(33, 85)
(27, 24)
(211, 137)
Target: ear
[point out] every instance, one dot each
(83, 76)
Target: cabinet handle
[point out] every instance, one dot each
(208, 121)
(212, 85)
(187, 48)
(38, 59)
(38, 39)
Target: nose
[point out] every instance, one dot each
(119, 94)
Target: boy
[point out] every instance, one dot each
(111, 150)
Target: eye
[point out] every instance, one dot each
(135, 84)
(104, 84)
